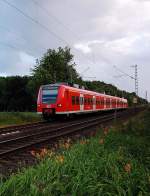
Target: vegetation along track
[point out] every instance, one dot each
(47, 132)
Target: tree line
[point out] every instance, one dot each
(19, 93)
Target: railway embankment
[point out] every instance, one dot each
(115, 161)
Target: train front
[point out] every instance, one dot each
(47, 101)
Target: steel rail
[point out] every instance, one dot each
(56, 134)
(50, 131)
(16, 144)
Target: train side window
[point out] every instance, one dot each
(77, 100)
(86, 101)
(103, 102)
(73, 100)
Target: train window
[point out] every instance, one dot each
(73, 100)
(88, 100)
(85, 101)
(49, 95)
(91, 101)
(103, 102)
(77, 100)
(107, 101)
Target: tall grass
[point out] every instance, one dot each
(111, 163)
(13, 118)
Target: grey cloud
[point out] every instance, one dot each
(113, 32)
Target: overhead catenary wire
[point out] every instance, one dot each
(35, 21)
(135, 78)
(45, 10)
(9, 45)
(19, 37)
(125, 74)
(58, 21)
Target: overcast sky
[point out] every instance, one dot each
(101, 34)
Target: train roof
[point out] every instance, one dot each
(65, 85)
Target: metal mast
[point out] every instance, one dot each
(136, 78)
(146, 96)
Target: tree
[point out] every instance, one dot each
(14, 95)
(54, 66)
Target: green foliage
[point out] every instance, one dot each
(112, 90)
(116, 166)
(54, 66)
(20, 93)
(14, 118)
(14, 94)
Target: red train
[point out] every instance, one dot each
(62, 99)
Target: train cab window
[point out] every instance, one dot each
(77, 100)
(73, 100)
(49, 94)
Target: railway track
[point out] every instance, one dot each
(41, 133)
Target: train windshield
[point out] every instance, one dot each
(49, 94)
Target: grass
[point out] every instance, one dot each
(114, 162)
(15, 118)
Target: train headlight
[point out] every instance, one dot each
(59, 105)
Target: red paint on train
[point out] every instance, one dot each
(57, 99)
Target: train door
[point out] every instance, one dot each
(111, 103)
(94, 103)
(104, 102)
(67, 99)
(81, 102)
